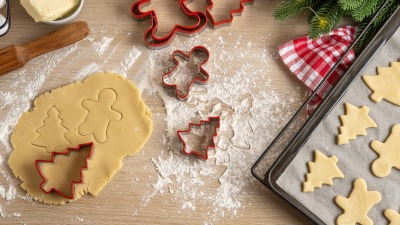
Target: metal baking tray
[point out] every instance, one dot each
(278, 156)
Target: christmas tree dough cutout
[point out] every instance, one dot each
(386, 85)
(321, 171)
(52, 126)
(100, 115)
(389, 153)
(354, 123)
(392, 216)
(356, 206)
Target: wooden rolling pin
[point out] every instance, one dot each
(15, 56)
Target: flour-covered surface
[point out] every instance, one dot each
(249, 88)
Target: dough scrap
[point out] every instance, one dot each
(392, 216)
(124, 137)
(386, 85)
(356, 206)
(389, 153)
(321, 171)
(354, 123)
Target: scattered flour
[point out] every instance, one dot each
(100, 46)
(129, 60)
(247, 111)
(8, 193)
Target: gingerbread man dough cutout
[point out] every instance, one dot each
(356, 206)
(392, 216)
(100, 115)
(389, 153)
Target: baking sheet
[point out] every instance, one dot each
(356, 157)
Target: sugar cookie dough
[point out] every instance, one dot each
(356, 206)
(48, 10)
(389, 153)
(321, 171)
(354, 123)
(71, 112)
(392, 216)
(386, 85)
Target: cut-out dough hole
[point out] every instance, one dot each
(100, 115)
(65, 169)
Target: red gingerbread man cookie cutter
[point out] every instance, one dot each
(201, 77)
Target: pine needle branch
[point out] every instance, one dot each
(290, 8)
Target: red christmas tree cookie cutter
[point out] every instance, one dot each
(200, 78)
(202, 153)
(150, 38)
(234, 12)
(53, 154)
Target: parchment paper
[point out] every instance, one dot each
(356, 157)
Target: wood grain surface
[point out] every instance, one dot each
(119, 202)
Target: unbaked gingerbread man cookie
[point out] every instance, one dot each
(389, 153)
(356, 206)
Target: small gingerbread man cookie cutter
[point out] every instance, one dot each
(73, 182)
(233, 13)
(201, 153)
(201, 77)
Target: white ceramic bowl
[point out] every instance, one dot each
(4, 29)
(69, 17)
(2, 3)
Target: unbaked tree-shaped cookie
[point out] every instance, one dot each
(354, 123)
(392, 216)
(386, 85)
(321, 171)
(52, 132)
(357, 205)
(100, 114)
(389, 153)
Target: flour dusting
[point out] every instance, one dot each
(247, 111)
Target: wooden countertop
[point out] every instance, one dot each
(119, 203)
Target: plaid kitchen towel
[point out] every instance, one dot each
(311, 59)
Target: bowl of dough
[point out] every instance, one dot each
(53, 12)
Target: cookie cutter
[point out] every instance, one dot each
(234, 12)
(202, 79)
(53, 154)
(150, 38)
(209, 121)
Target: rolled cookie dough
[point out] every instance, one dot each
(123, 126)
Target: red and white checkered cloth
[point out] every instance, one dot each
(311, 59)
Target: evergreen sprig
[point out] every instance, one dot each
(324, 15)
(290, 8)
(325, 18)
